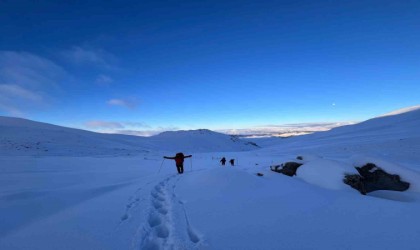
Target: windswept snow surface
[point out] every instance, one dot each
(137, 201)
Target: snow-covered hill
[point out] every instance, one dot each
(24, 137)
(201, 140)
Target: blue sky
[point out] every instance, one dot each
(162, 65)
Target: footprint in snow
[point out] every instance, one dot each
(164, 217)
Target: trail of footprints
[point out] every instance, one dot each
(133, 202)
(161, 231)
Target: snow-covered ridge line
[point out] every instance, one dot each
(401, 111)
(25, 137)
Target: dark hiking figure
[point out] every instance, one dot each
(232, 162)
(179, 161)
(223, 161)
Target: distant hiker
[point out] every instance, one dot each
(223, 161)
(179, 161)
(232, 162)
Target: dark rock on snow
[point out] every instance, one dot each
(372, 178)
(288, 168)
(355, 181)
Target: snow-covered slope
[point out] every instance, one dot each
(404, 123)
(24, 137)
(392, 135)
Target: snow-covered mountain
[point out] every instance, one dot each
(395, 131)
(25, 137)
(140, 202)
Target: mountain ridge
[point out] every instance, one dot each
(20, 136)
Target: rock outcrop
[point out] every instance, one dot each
(288, 168)
(372, 178)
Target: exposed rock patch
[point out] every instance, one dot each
(372, 178)
(288, 168)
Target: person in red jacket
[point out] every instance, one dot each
(179, 161)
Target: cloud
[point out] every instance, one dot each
(86, 56)
(16, 91)
(171, 128)
(126, 128)
(10, 110)
(149, 132)
(137, 124)
(103, 125)
(104, 80)
(113, 126)
(130, 103)
(310, 125)
(29, 70)
(135, 132)
(285, 129)
(25, 81)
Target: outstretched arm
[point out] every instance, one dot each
(187, 156)
(167, 157)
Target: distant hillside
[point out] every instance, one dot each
(25, 137)
(201, 140)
